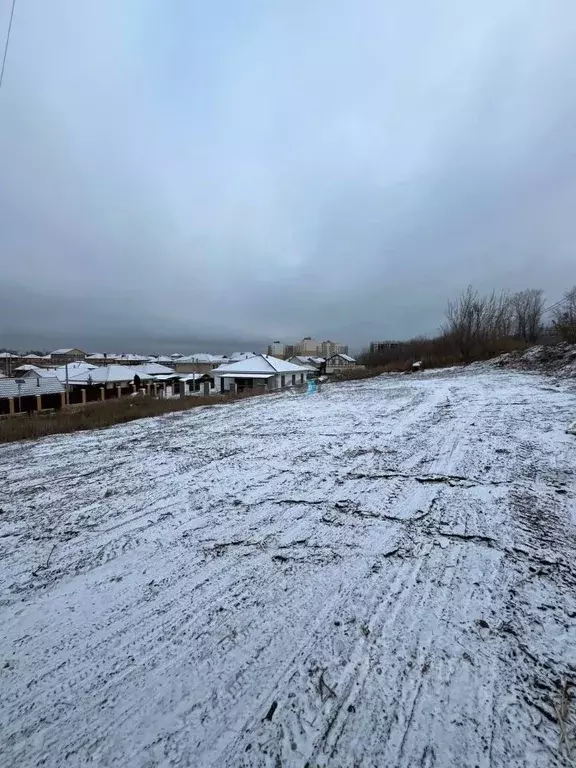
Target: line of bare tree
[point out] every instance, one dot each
(478, 326)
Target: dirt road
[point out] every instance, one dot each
(383, 574)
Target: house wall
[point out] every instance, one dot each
(223, 384)
(7, 365)
(72, 357)
(196, 387)
(272, 382)
(192, 367)
(227, 382)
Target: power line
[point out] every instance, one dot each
(7, 42)
(554, 306)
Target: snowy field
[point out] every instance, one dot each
(380, 575)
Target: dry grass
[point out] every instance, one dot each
(101, 414)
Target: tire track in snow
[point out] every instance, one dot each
(438, 613)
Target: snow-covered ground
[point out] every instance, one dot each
(383, 574)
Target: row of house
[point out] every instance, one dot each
(195, 363)
(37, 387)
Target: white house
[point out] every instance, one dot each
(340, 362)
(260, 371)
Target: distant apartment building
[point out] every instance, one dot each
(307, 347)
(329, 348)
(277, 349)
(380, 347)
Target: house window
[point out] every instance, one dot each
(301, 378)
(293, 379)
(283, 381)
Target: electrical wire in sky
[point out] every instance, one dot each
(6, 45)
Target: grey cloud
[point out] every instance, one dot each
(227, 175)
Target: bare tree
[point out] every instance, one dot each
(498, 318)
(462, 320)
(476, 322)
(527, 308)
(565, 316)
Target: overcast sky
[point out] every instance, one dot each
(246, 171)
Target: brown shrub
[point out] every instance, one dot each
(438, 352)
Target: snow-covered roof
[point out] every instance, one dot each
(307, 359)
(163, 359)
(242, 356)
(74, 370)
(260, 364)
(32, 357)
(27, 367)
(32, 386)
(154, 369)
(45, 373)
(107, 374)
(8, 355)
(344, 357)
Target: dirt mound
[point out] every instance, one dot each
(557, 359)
